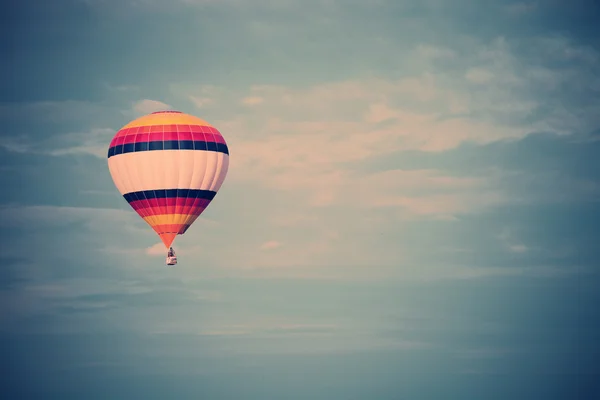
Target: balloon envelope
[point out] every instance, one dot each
(168, 166)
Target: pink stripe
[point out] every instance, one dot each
(170, 136)
(200, 137)
(214, 135)
(122, 132)
(170, 202)
(145, 137)
(195, 211)
(185, 135)
(155, 137)
(129, 139)
(167, 132)
(219, 138)
(142, 212)
(141, 137)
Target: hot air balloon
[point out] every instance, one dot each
(168, 166)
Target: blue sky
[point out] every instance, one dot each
(411, 209)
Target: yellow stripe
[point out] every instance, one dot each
(167, 119)
(150, 220)
(166, 219)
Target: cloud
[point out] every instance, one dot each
(521, 8)
(270, 245)
(428, 52)
(16, 145)
(118, 229)
(157, 249)
(121, 88)
(301, 160)
(316, 138)
(518, 248)
(51, 112)
(201, 102)
(274, 328)
(14, 216)
(507, 238)
(310, 149)
(407, 272)
(147, 106)
(94, 142)
(479, 75)
(252, 101)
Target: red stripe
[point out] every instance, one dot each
(173, 228)
(184, 211)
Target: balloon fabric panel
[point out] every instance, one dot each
(168, 166)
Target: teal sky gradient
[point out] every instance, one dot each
(411, 211)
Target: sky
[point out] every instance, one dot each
(411, 209)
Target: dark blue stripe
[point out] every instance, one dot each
(168, 145)
(170, 193)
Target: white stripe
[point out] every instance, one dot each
(168, 169)
(221, 172)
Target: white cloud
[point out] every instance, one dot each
(16, 145)
(147, 106)
(201, 102)
(121, 88)
(430, 52)
(407, 272)
(112, 224)
(94, 142)
(55, 112)
(512, 244)
(270, 245)
(157, 249)
(518, 248)
(307, 153)
(313, 140)
(15, 216)
(521, 8)
(479, 75)
(252, 101)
